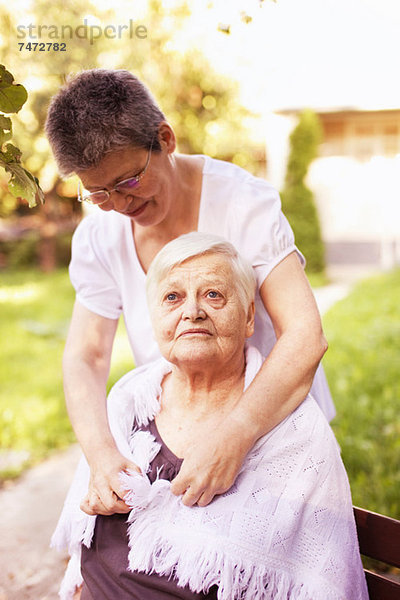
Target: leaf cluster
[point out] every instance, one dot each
(22, 184)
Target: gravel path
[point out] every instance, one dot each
(29, 510)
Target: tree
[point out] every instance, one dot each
(202, 106)
(22, 184)
(297, 199)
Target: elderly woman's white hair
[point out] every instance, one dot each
(195, 243)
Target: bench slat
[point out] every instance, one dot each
(381, 588)
(378, 536)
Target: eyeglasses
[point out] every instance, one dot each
(124, 186)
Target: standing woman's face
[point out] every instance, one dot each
(146, 203)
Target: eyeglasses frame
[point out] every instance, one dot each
(137, 178)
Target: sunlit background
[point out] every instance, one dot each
(235, 79)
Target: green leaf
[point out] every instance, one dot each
(12, 96)
(11, 154)
(5, 123)
(22, 184)
(5, 130)
(5, 76)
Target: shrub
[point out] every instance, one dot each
(297, 200)
(24, 252)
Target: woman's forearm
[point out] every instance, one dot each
(85, 396)
(85, 392)
(282, 383)
(86, 365)
(286, 376)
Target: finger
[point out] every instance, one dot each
(107, 499)
(206, 497)
(191, 496)
(180, 484)
(120, 506)
(111, 504)
(130, 466)
(92, 505)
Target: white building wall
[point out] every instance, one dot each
(357, 201)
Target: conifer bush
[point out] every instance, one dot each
(297, 199)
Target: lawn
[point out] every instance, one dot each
(363, 369)
(35, 311)
(362, 366)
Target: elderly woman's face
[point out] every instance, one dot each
(197, 314)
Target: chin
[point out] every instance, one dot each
(195, 356)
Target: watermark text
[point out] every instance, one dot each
(84, 31)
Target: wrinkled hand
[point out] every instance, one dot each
(105, 490)
(212, 464)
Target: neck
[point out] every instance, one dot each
(183, 187)
(205, 387)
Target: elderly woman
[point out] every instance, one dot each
(105, 127)
(285, 530)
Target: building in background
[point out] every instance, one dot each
(355, 180)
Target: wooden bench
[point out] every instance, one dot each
(379, 538)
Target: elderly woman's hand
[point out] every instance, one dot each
(105, 492)
(213, 462)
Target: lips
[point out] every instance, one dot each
(195, 332)
(137, 211)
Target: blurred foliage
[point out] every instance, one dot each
(201, 104)
(318, 279)
(362, 366)
(33, 417)
(21, 183)
(25, 251)
(297, 200)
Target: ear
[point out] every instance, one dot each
(166, 137)
(250, 320)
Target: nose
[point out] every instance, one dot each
(120, 200)
(192, 311)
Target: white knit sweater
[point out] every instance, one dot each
(285, 530)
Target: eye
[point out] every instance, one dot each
(213, 294)
(171, 297)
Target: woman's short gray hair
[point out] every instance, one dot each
(98, 111)
(195, 244)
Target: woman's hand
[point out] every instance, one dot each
(212, 464)
(105, 495)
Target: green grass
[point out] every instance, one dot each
(35, 312)
(318, 279)
(363, 369)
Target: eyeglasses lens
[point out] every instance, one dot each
(97, 197)
(128, 184)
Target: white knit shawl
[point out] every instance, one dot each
(285, 530)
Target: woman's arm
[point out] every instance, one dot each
(280, 386)
(86, 366)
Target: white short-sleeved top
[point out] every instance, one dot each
(246, 210)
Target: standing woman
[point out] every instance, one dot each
(104, 126)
